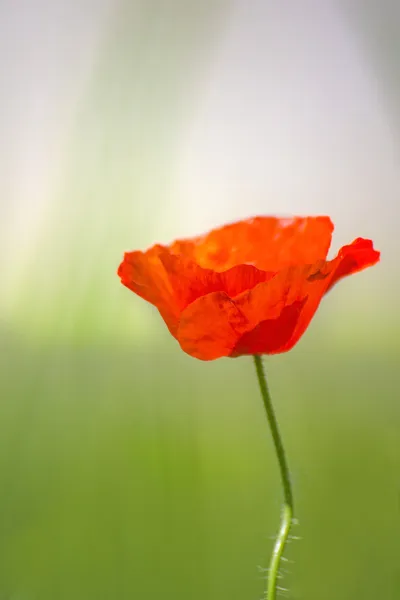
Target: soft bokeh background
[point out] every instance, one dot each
(127, 469)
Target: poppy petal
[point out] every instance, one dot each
(210, 327)
(270, 333)
(213, 325)
(189, 281)
(358, 255)
(144, 274)
(268, 243)
(273, 310)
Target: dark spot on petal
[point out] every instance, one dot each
(316, 276)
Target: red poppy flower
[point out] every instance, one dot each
(251, 287)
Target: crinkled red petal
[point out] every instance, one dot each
(172, 282)
(144, 274)
(189, 281)
(268, 243)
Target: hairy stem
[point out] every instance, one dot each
(287, 510)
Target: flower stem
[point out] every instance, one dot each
(287, 510)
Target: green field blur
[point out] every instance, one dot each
(150, 475)
(129, 470)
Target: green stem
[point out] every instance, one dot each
(287, 511)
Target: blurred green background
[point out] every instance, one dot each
(128, 469)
